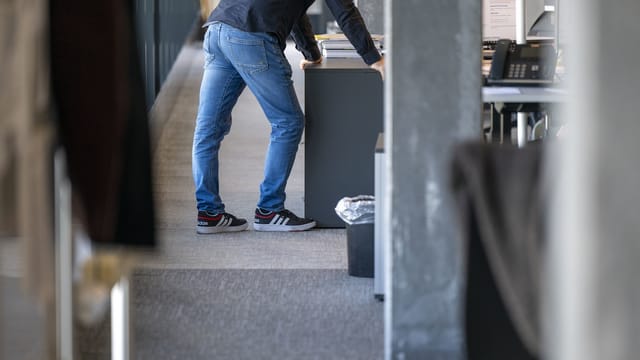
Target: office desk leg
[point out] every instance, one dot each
(496, 124)
(500, 124)
(63, 259)
(546, 124)
(522, 129)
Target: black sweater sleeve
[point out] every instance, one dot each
(302, 35)
(353, 26)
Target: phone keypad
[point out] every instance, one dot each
(517, 71)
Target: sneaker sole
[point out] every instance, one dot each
(220, 229)
(273, 227)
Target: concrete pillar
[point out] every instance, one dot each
(595, 244)
(432, 102)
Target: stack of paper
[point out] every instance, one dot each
(338, 46)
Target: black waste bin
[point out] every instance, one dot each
(360, 250)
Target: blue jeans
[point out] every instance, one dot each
(235, 59)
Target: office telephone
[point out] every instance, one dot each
(522, 64)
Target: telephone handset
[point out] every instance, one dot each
(516, 64)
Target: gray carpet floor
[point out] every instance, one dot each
(250, 314)
(22, 332)
(247, 295)
(241, 167)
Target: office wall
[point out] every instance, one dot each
(162, 28)
(432, 102)
(373, 13)
(533, 9)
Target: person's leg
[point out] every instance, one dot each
(221, 86)
(264, 68)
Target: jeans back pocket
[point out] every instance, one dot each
(248, 52)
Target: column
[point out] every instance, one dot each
(595, 246)
(432, 102)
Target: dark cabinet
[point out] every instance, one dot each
(344, 114)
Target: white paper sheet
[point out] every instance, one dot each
(499, 19)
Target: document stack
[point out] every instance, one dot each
(338, 46)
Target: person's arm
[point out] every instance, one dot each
(302, 35)
(353, 26)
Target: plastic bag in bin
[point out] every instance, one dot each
(356, 210)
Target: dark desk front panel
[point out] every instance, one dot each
(344, 114)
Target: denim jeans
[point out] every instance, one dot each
(235, 59)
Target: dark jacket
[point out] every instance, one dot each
(284, 17)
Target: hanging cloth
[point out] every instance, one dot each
(102, 119)
(499, 196)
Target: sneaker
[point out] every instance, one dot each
(283, 220)
(210, 223)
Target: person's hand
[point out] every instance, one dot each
(304, 62)
(379, 66)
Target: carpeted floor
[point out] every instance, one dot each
(249, 314)
(22, 322)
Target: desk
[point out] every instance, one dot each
(513, 94)
(509, 99)
(343, 109)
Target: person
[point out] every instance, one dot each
(244, 46)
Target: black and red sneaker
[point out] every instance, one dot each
(283, 220)
(210, 223)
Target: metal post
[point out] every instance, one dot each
(557, 32)
(64, 259)
(521, 31)
(120, 321)
(546, 124)
(521, 38)
(522, 129)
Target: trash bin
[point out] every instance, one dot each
(360, 250)
(358, 214)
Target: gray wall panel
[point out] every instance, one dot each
(373, 13)
(162, 28)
